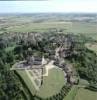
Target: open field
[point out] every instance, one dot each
(55, 79)
(71, 95)
(81, 94)
(40, 27)
(92, 47)
(43, 23)
(84, 94)
(75, 27)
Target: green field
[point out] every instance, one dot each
(52, 84)
(26, 79)
(40, 23)
(39, 27)
(92, 47)
(55, 79)
(84, 94)
(75, 27)
(81, 94)
(71, 95)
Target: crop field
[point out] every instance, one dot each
(46, 23)
(85, 94)
(45, 26)
(50, 82)
(75, 27)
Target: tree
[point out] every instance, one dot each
(18, 49)
(1, 64)
(10, 57)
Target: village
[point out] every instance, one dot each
(39, 66)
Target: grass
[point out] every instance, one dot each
(83, 27)
(71, 95)
(38, 26)
(85, 94)
(10, 48)
(75, 27)
(47, 23)
(81, 94)
(83, 82)
(92, 47)
(44, 23)
(27, 81)
(51, 84)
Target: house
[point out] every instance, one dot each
(34, 60)
(50, 51)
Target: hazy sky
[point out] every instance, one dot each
(49, 6)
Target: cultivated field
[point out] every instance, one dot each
(43, 23)
(75, 27)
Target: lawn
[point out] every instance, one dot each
(51, 84)
(85, 94)
(27, 80)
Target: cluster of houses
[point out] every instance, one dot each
(58, 55)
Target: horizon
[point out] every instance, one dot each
(49, 6)
(48, 13)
